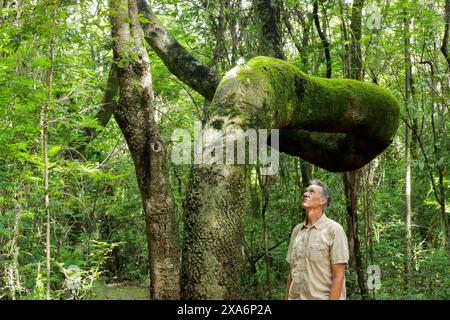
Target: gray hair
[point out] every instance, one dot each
(325, 191)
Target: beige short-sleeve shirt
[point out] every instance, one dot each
(310, 255)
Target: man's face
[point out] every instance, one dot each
(313, 198)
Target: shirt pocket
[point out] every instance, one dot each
(319, 253)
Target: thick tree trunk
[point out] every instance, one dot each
(351, 178)
(134, 115)
(107, 105)
(13, 268)
(444, 46)
(212, 252)
(44, 122)
(356, 62)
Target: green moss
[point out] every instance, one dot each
(290, 98)
(271, 93)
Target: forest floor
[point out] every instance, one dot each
(119, 291)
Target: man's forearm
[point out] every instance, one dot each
(336, 288)
(288, 285)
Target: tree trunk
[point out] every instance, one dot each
(355, 47)
(351, 192)
(134, 115)
(444, 47)
(268, 29)
(408, 91)
(326, 44)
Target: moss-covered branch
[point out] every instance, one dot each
(337, 124)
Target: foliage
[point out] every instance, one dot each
(95, 204)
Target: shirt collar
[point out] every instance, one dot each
(319, 223)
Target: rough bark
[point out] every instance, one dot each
(45, 123)
(177, 59)
(134, 115)
(13, 268)
(217, 54)
(408, 87)
(212, 252)
(212, 256)
(291, 30)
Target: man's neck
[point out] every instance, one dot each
(313, 215)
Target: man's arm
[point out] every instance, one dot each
(288, 285)
(337, 273)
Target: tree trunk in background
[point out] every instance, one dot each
(268, 30)
(351, 196)
(134, 115)
(408, 92)
(306, 170)
(212, 252)
(44, 123)
(305, 166)
(215, 59)
(368, 190)
(351, 178)
(323, 38)
(355, 46)
(107, 105)
(264, 188)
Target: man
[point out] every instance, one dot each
(318, 251)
